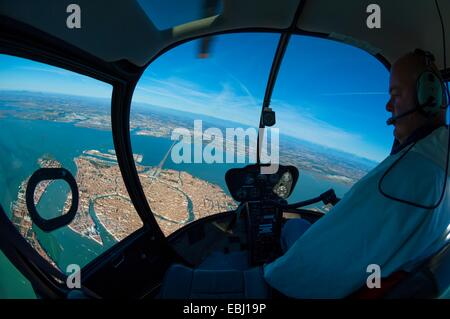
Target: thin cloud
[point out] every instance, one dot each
(240, 83)
(353, 93)
(61, 72)
(180, 95)
(48, 70)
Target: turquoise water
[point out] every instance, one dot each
(22, 142)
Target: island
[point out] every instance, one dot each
(175, 197)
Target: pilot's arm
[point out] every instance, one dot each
(330, 259)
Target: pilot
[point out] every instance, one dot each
(396, 216)
(392, 219)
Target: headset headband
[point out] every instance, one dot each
(428, 56)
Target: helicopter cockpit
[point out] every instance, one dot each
(156, 144)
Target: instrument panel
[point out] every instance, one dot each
(249, 184)
(260, 193)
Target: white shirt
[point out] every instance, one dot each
(330, 259)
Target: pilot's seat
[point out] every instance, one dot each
(432, 280)
(186, 283)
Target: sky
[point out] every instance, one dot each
(22, 74)
(326, 93)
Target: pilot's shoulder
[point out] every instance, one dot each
(416, 177)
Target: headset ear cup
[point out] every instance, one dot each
(429, 93)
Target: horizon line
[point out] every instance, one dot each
(210, 116)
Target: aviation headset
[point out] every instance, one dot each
(430, 89)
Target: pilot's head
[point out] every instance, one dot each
(403, 95)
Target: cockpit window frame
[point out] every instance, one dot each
(22, 41)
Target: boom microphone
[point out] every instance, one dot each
(394, 119)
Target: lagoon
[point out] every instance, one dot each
(23, 142)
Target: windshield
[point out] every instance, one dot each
(329, 100)
(192, 119)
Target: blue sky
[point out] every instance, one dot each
(21, 74)
(327, 93)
